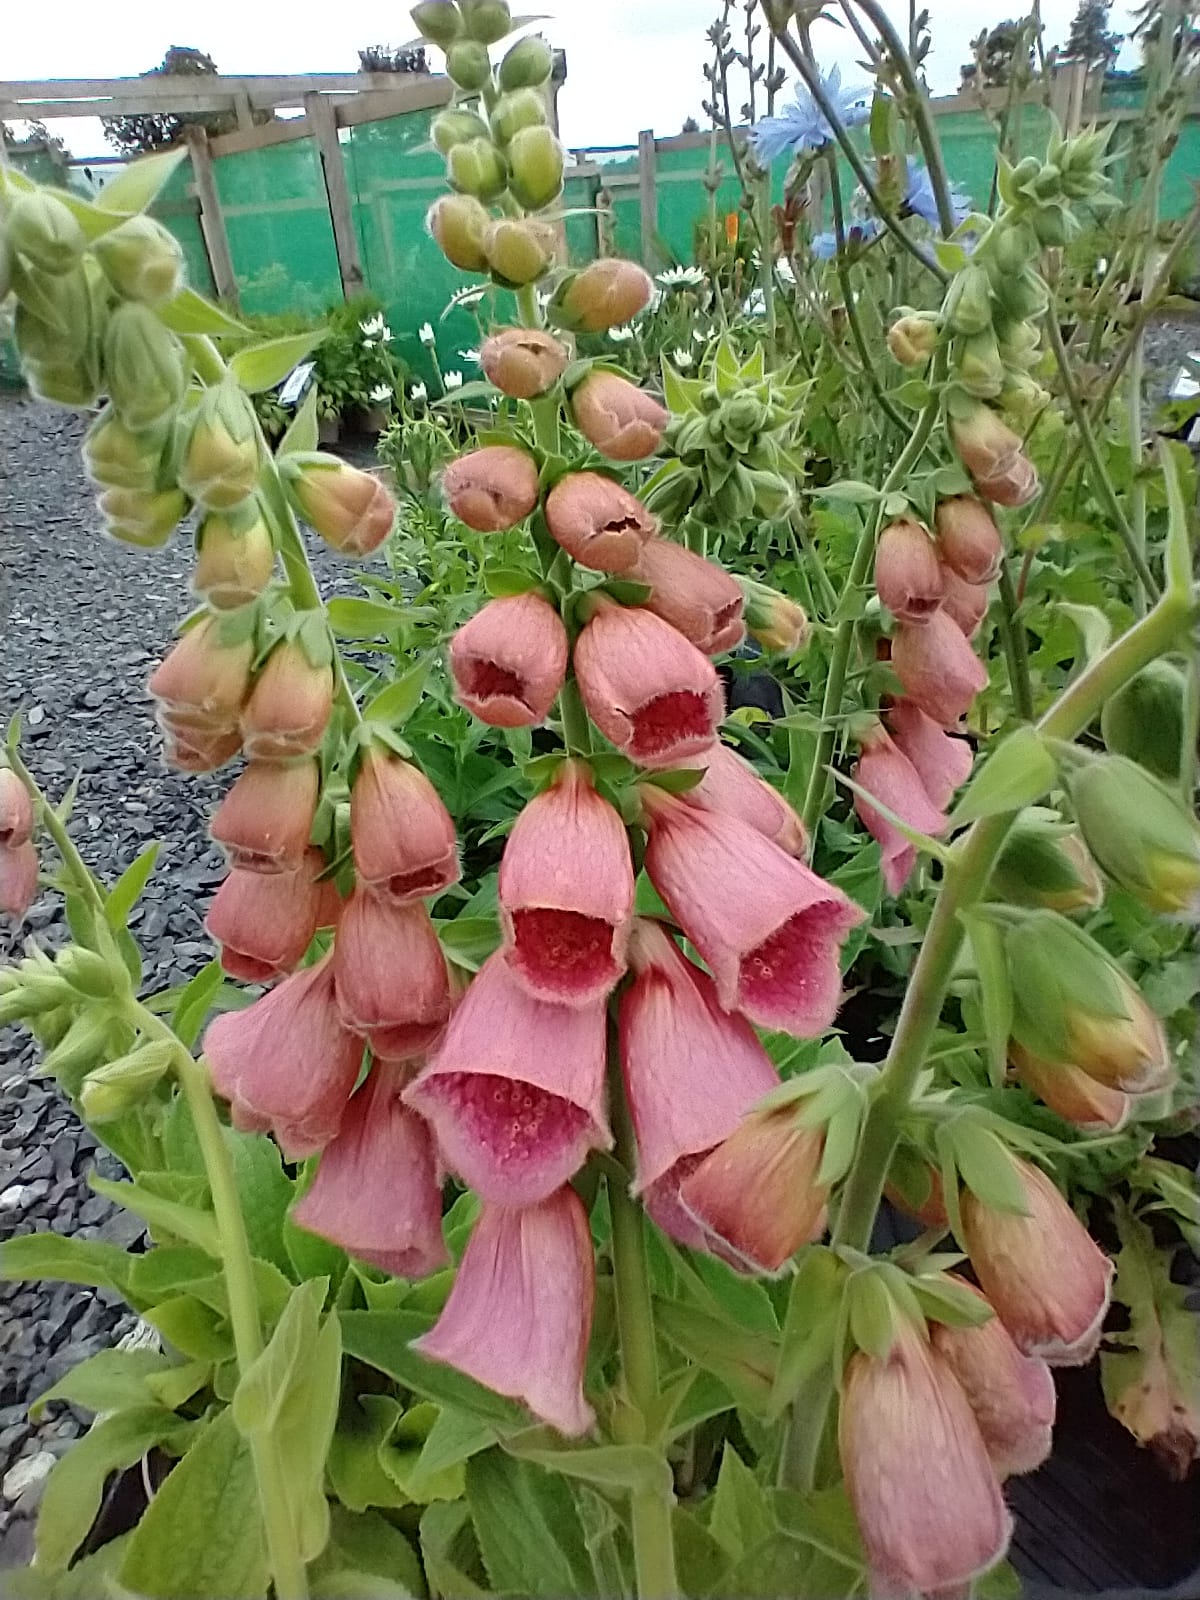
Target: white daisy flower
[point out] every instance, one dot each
(426, 334)
(682, 359)
(622, 334)
(681, 278)
(418, 392)
(452, 380)
(783, 268)
(373, 326)
(469, 355)
(380, 394)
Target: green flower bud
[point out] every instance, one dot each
(46, 232)
(519, 252)
(1020, 345)
(115, 457)
(536, 159)
(523, 108)
(969, 308)
(1144, 720)
(79, 1048)
(142, 517)
(979, 368)
(1044, 863)
(1054, 225)
(527, 65)
(458, 223)
(118, 1086)
(87, 972)
(487, 20)
(439, 21)
(61, 327)
(221, 455)
(468, 66)
(27, 991)
(142, 260)
(1011, 246)
(772, 493)
(1139, 832)
(48, 1027)
(144, 367)
(778, 624)
(477, 168)
(1022, 295)
(66, 383)
(456, 127)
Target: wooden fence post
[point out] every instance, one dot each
(323, 124)
(212, 223)
(648, 196)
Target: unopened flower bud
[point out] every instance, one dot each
(521, 108)
(1070, 1092)
(518, 252)
(985, 444)
(16, 811)
(119, 1085)
(65, 383)
(456, 127)
(1044, 864)
(621, 420)
(970, 308)
(527, 65)
(535, 159)
(491, 489)
(86, 971)
(289, 706)
(203, 678)
(115, 457)
(938, 668)
(1144, 719)
(233, 564)
(18, 880)
(523, 362)
(968, 538)
(912, 340)
(1140, 834)
(777, 624)
(604, 295)
(458, 224)
(143, 366)
(486, 20)
(349, 508)
(908, 577)
(597, 521)
(137, 517)
(84, 1044)
(439, 21)
(979, 368)
(142, 260)
(221, 457)
(44, 230)
(477, 168)
(467, 64)
(61, 326)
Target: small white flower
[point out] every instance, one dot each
(418, 392)
(368, 344)
(373, 326)
(452, 380)
(622, 334)
(380, 394)
(681, 278)
(385, 334)
(470, 355)
(682, 359)
(783, 268)
(426, 334)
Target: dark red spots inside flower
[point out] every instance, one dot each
(680, 719)
(424, 880)
(563, 954)
(488, 680)
(791, 980)
(506, 1138)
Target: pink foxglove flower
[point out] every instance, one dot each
(566, 892)
(390, 976)
(1045, 1276)
(265, 921)
(968, 538)
(757, 1196)
(519, 1314)
(621, 420)
(943, 763)
(691, 1070)
(731, 786)
(203, 678)
(924, 1493)
(265, 819)
(492, 489)
(515, 1090)
(966, 604)
(401, 833)
(908, 579)
(888, 774)
(16, 811)
(597, 521)
(18, 879)
(697, 597)
(509, 661)
(289, 705)
(287, 1062)
(376, 1192)
(1012, 1395)
(769, 929)
(938, 668)
(649, 691)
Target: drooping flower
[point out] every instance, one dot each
(1071, 1092)
(350, 509)
(287, 1062)
(691, 1070)
(191, 751)
(697, 597)
(289, 706)
(968, 538)
(400, 831)
(966, 604)
(233, 565)
(376, 1191)
(519, 1314)
(16, 811)
(731, 785)
(649, 691)
(597, 521)
(203, 679)
(624, 422)
(264, 922)
(769, 929)
(264, 821)
(491, 489)
(924, 1493)
(887, 773)
(390, 976)
(908, 578)
(803, 125)
(943, 763)
(1044, 1275)
(18, 879)
(509, 661)
(566, 892)
(920, 199)
(937, 668)
(523, 362)
(515, 1090)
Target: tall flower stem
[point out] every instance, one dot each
(1016, 649)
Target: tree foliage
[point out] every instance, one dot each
(138, 133)
(996, 51)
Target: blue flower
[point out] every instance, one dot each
(922, 202)
(802, 125)
(824, 246)
(859, 232)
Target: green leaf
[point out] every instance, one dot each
(501, 582)
(274, 1379)
(108, 1381)
(681, 394)
(303, 432)
(455, 1437)
(528, 1529)
(1017, 772)
(451, 1553)
(52, 1255)
(382, 1338)
(74, 1488)
(469, 941)
(194, 1003)
(850, 492)
(189, 312)
(89, 1577)
(985, 1165)
(809, 1326)
(943, 1300)
(995, 991)
(127, 890)
(162, 1215)
(477, 389)
(400, 699)
(265, 1192)
(634, 1467)
(1095, 629)
(202, 1534)
(367, 1544)
(745, 1363)
(261, 366)
(135, 188)
(677, 780)
(363, 619)
(741, 1516)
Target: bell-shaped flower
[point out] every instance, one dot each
(191, 750)
(265, 921)
(887, 773)
(769, 929)
(401, 833)
(968, 538)
(264, 821)
(1071, 1092)
(938, 668)
(350, 509)
(509, 661)
(492, 489)
(691, 1070)
(621, 420)
(289, 705)
(16, 811)
(942, 762)
(597, 521)
(697, 597)
(234, 563)
(376, 1191)
(287, 1062)
(523, 362)
(515, 1090)
(566, 892)
(18, 879)
(966, 604)
(651, 693)
(204, 679)
(1043, 1273)
(925, 1495)
(1012, 1395)
(908, 578)
(730, 785)
(519, 1315)
(390, 975)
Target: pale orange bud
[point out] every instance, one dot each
(232, 567)
(621, 420)
(523, 362)
(288, 707)
(968, 539)
(204, 679)
(350, 509)
(908, 579)
(492, 489)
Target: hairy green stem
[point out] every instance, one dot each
(1016, 648)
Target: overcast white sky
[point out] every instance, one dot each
(630, 63)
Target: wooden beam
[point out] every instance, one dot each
(321, 120)
(260, 138)
(212, 223)
(648, 195)
(376, 104)
(169, 92)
